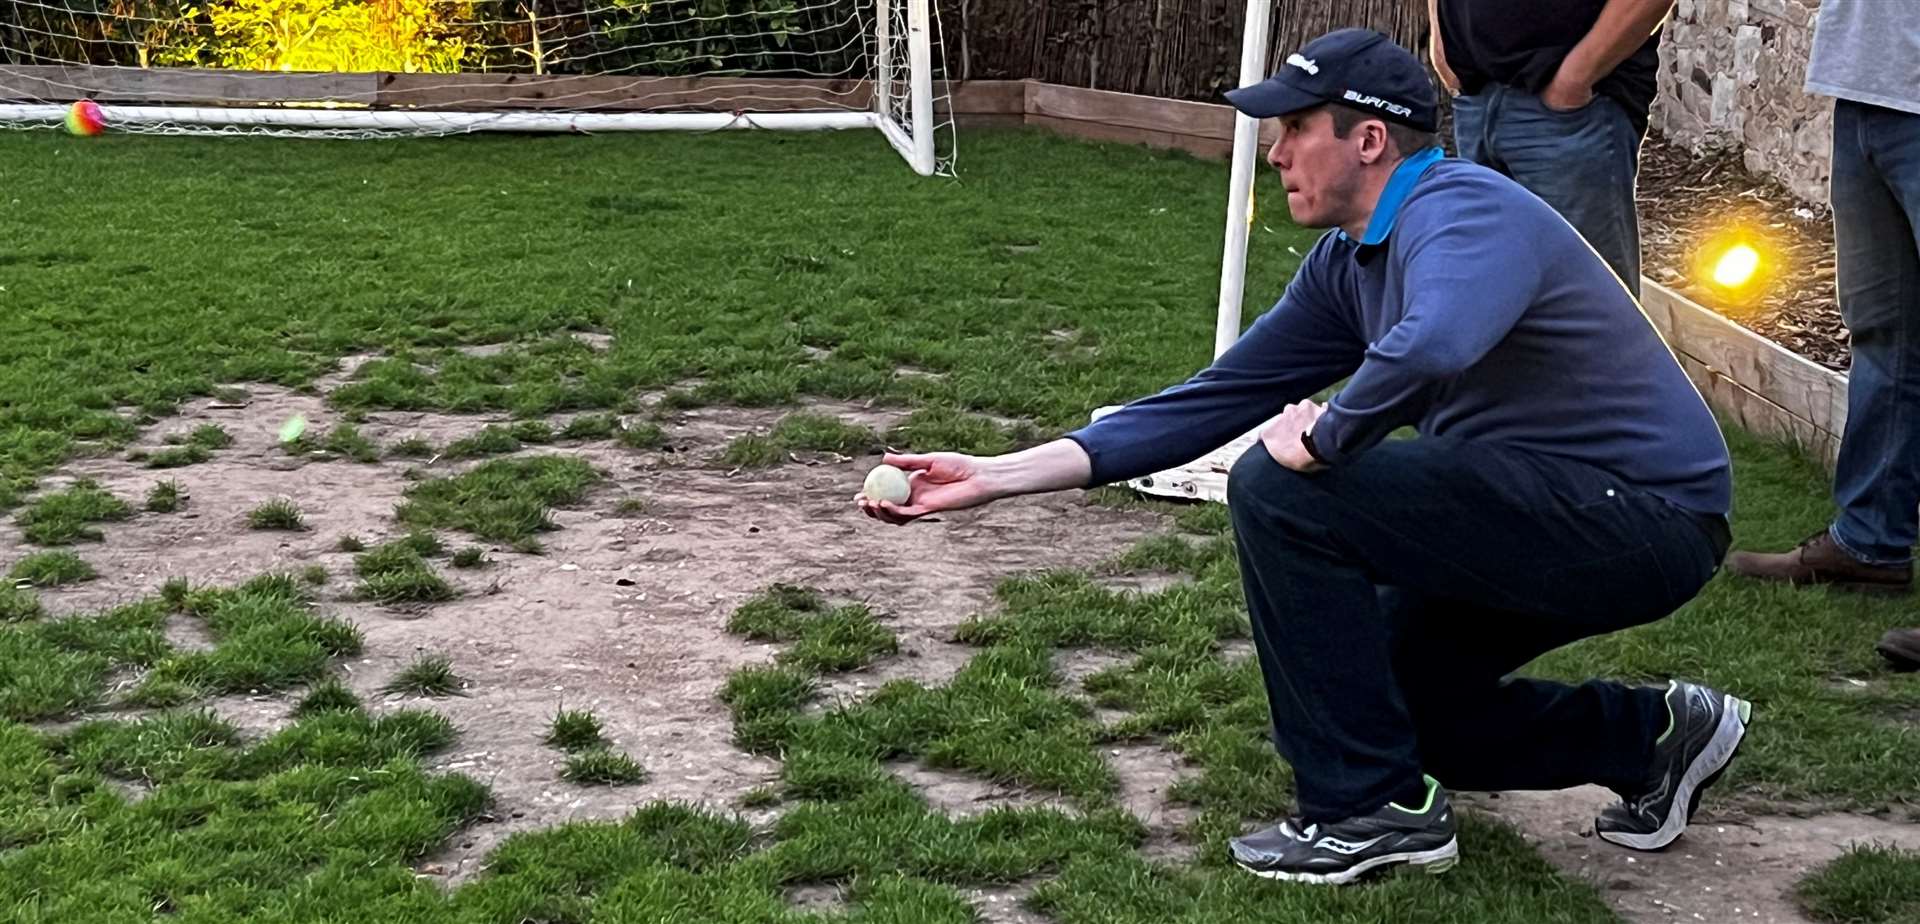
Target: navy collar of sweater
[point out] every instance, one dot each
(1387, 210)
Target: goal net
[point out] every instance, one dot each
(365, 68)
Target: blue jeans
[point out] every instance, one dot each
(1876, 214)
(1392, 595)
(1584, 163)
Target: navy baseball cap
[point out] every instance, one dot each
(1358, 68)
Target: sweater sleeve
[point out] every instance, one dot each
(1468, 277)
(1299, 347)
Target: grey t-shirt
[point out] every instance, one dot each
(1867, 51)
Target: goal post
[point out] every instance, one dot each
(368, 68)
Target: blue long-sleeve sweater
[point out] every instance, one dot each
(1470, 310)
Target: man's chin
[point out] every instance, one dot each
(1307, 219)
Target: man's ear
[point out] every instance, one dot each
(1375, 144)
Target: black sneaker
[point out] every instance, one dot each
(1340, 852)
(1704, 728)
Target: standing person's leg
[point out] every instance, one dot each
(1584, 163)
(1877, 479)
(1500, 529)
(1470, 126)
(1876, 225)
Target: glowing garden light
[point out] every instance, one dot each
(1736, 267)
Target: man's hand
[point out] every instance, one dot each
(936, 482)
(1282, 436)
(1622, 27)
(1567, 92)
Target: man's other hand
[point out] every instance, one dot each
(1282, 436)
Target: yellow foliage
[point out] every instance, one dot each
(410, 36)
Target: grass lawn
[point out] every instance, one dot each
(1053, 278)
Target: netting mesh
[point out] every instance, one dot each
(467, 65)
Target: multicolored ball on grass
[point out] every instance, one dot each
(85, 118)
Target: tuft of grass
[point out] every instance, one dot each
(591, 427)
(641, 435)
(629, 507)
(603, 766)
(412, 447)
(189, 448)
(52, 569)
(1869, 884)
(66, 517)
(826, 640)
(210, 437)
(798, 432)
(536, 432)
(490, 441)
(408, 585)
(502, 500)
(472, 556)
(177, 457)
(162, 694)
(18, 605)
(346, 440)
(267, 638)
(329, 695)
(949, 429)
(760, 797)
(751, 450)
(823, 433)
(279, 513)
(351, 543)
(427, 675)
(575, 730)
(315, 575)
(166, 497)
(176, 593)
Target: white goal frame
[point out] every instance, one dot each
(912, 137)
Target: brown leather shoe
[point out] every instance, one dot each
(1819, 560)
(1902, 647)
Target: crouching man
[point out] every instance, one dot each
(1567, 481)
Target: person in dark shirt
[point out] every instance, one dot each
(1568, 481)
(1555, 93)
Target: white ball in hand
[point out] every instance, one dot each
(887, 483)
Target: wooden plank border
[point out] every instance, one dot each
(1752, 381)
(54, 83)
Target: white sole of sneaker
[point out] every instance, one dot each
(1726, 739)
(1435, 861)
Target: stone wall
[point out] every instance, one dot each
(1731, 75)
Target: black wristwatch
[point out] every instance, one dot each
(1306, 439)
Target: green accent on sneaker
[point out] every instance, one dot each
(1669, 701)
(1746, 712)
(1433, 786)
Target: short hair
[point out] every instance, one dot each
(1407, 140)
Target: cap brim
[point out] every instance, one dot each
(1271, 97)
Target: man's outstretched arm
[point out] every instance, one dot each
(1295, 350)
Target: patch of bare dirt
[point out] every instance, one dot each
(1147, 772)
(1729, 866)
(1075, 665)
(1004, 904)
(623, 615)
(1139, 582)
